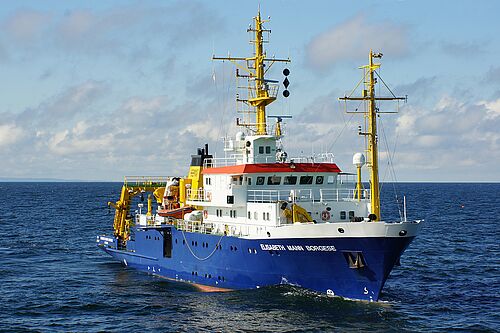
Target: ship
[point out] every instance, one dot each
(256, 217)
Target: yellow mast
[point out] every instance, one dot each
(261, 94)
(372, 140)
(371, 113)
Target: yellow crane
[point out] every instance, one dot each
(132, 187)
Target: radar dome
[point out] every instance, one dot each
(358, 159)
(240, 136)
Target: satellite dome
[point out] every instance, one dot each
(358, 159)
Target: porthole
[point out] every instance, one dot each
(341, 230)
(402, 233)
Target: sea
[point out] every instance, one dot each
(53, 278)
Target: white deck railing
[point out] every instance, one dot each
(304, 195)
(201, 195)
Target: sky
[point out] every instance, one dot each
(99, 90)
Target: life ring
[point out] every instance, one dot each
(205, 213)
(209, 196)
(325, 215)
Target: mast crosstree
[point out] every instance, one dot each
(370, 113)
(261, 92)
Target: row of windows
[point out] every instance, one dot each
(265, 216)
(290, 180)
(343, 214)
(268, 150)
(276, 180)
(232, 213)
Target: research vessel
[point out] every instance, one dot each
(257, 217)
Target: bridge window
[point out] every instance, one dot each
(249, 180)
(342, 215)
(306, 180)
(351, 214)
(268, 149)
(273, 180)
(261, 150)
(260, 180)
(290, 180)
(331, 179)
(319, 180)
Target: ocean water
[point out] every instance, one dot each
(54, 279)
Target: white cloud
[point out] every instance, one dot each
(26, 25)
(353, 38)
(10, 134)
(493, 108)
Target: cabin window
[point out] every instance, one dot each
(290, 180)
(268, 149)
(263, 216)
(330, 179)
(249, 215)
(237, 180)
(351, 214)
(319, 180)
(306, 180)
(249, 180)
(261, 150)
(230, 199)
(267, 215)
(273, 180)
(255, 216)
(342, 215)
(260, 180)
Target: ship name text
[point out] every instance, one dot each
(310, 248)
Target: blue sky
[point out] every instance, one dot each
(96, 90)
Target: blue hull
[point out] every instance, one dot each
(326, 265)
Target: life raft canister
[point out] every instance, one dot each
(325, 215)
